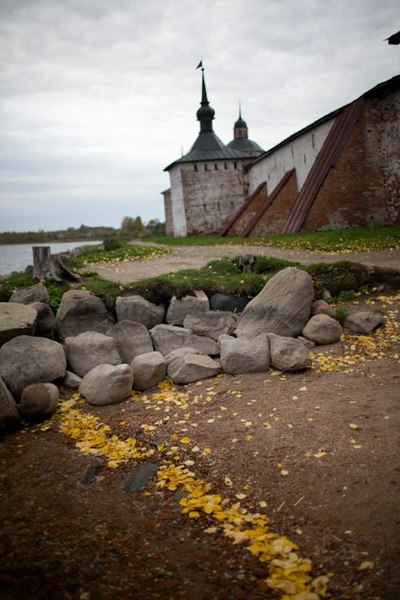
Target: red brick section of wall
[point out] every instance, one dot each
(355, 192)
(275, 217)
(238, 223)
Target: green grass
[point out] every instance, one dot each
(124, 251)
(337, 241)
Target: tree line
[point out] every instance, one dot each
(131, 228)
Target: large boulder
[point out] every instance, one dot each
(81, 311)
(16, 319)
(322, 329)
(288, 354)
(137, 308)
(282, 307)
(242, 355)
(363, 322)
(39, 401)
(46, 319)
(107, 384)
(90, 349)
(33, 293)
(171, 356)
(148, 369)
(192, 367)
(180, 308)
(169, 337)
(8, 407)
(211, 323)
(25, 360)
(131, 339)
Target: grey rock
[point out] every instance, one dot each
(233, 304)
(308, 343)
(88, 350)
(322, 329)
(282, 307)
(72, 381)
(25, 360)
(33, 293)
(363, 322)
(140, 477)
(39, 401)
(81, 311)
(131, 339)
(288, 354)
(148, 369)
(169, 337)
(211, 323)
(321, 307)
(242, 355)
(15, 320)
(179, 352)
(91, 473)
(46, 319)
(192, 367)
(107, 384)
(8, 407)
(179, 309)
(136, 308)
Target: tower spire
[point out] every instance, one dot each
(206, 113)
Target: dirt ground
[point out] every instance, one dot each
(195, 257)
(317, 452)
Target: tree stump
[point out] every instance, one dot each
(46, 266)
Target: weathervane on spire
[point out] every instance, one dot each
(200, 66)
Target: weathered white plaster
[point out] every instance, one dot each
(177, 202)
(299, 154)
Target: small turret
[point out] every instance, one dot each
(241, 140)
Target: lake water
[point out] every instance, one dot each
(16, 257)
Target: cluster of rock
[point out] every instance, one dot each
(83, 347)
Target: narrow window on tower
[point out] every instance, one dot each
(195, 167)
(206, 167)
(216, 166)
(226, 166)
(235, 165)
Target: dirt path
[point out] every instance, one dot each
(317, 452)
(195, 257)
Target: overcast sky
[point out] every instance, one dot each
(98, 96)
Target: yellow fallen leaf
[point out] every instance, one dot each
(185, 440)
(366, 564)
(194, 514)
(210, 530)
(240, 496)
(319, 454)
(249, 437)
(284, 472)
(354, 426)
(228, 481)
(262, 504)
(195, 449)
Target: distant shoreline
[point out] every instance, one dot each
(52, 241)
